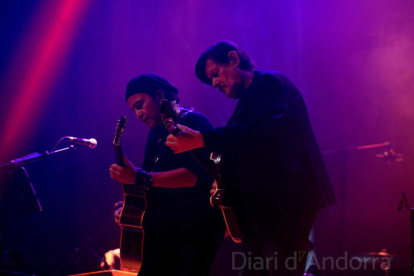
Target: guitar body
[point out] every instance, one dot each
(133, 210)
(216, 200)
(169, 112)
(132, 234)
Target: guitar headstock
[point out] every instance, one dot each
(120, 127)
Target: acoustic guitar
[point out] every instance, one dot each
(130, 218)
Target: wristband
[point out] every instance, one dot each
(143, 179)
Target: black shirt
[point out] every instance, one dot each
(186, 208)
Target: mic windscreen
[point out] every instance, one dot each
(93, 143)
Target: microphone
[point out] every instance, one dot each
(91, 143)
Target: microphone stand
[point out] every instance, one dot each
(31, 158)
(404, 202)
(7, 186)
(364, 147)
(389, 155)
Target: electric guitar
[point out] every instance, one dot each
(130, 219)
(170, 111)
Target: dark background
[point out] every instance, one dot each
(64, 66)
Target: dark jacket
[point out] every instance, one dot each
(271, 161)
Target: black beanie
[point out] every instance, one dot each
(147, 83)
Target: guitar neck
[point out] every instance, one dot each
(119, 156)
(169, 116)
(207, 164)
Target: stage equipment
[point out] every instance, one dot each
(17, 190)
(404, 202)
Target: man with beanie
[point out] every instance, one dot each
(182, 230)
